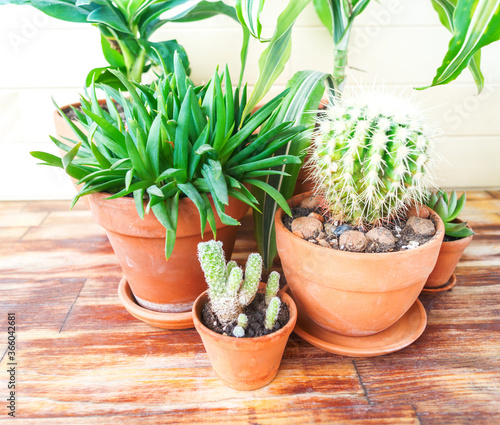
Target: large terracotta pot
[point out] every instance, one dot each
(354, 294)
(161, 285)
(449, 256)
(245, 363)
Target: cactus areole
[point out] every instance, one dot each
(371, 158)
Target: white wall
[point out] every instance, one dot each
(399, 42)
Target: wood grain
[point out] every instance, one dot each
(83, 359)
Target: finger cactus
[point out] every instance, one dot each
(272, 313)
(230, 292)
(239, 329)
(371, 159)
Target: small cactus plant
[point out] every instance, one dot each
(230, 292)
(371, 159)
(449, 208)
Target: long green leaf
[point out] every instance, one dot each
(274, 58)
(445, 10)
(476, 23)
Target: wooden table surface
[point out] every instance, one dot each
(83, 359)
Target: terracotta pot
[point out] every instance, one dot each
(245, 363)
(161, 285)
(449, 256)
(354, 294)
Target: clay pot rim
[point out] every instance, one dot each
(253, 343)
(278, 221)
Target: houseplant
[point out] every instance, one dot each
(458, 235)
(183, 156)
(244, 362)
(370, 163)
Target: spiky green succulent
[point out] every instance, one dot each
(229, 291)
(449, 208)
(371, 159)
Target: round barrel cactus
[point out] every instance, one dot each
(371, 158)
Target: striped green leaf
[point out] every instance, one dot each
(445, 10)
(299, 106)
(476, 23)
(249, 15)
(274, 58)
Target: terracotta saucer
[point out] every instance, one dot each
(154, 318)
(401, 334)
(450, 284)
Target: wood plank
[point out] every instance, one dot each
(84, 359)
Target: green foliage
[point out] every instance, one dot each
(299, 105)
(176, 141)
(449, 208)
(126, 28)
(370, 160)
(229, 292)
(473, 24)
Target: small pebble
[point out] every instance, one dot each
(317, 216)
(330, 229)
(310, 227)
(380, 239)
(314, 241)
(322, 235)
(324, 243)
(411, 245)
(418, 211)
(298, 233)
(420, 226)
(311, 202)
(341, 230)
(353, 241)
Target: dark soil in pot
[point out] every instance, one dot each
(318, 228)
(256, 313)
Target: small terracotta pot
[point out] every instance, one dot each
(160, 285)
(449, 256)
(245, 363)
(354, 294)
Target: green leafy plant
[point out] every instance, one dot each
(176, 141)
(230, 293)
(126, 28)
(449, 208)
(371, 158)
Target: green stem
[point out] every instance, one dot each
(135, 73)
(339, 65)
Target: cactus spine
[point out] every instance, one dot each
(229, 292)
(370, 161)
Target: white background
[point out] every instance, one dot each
(398, 42)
